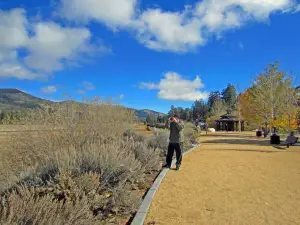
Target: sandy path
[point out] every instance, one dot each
(231, 179)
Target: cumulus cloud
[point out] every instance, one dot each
(168, 31)
(113, 13)
(175, 31)
(46, 46)
(52, 46)
(49, 89)
(174, 87)
(186, 30)
(13, 29)
(18, 71)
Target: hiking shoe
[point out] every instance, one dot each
(166, 166)
(177, 167)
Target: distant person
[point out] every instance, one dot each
(265, 132)
(205, 127)
(226, 127)
(176, 139)
(291, 139)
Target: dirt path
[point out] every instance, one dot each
(231, 179)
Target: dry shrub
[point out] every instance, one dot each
(78, 157)
(191, 136)
(23, 206)
(149, 148)
(149, 157)
(159, 139)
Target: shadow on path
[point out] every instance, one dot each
(245, 150)
(241, 141)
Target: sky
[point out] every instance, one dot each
(145, 54)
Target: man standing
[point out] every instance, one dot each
(176, 139)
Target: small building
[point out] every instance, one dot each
(229, 122)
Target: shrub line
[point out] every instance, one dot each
(141, 214)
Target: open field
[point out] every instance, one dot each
(12, 164)
(233, 178)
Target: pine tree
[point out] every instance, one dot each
(229, 96)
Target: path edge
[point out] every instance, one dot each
(142, 212)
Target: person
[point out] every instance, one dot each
(291, 139)
(205, 127)
(176, 140)
(226, 127)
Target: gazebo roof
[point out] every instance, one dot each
(228, 117)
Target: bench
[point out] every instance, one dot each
(291, 140)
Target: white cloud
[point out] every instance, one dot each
(88, 86)
(53, 45)
(18, 71)
(175, 31)
(49, 89)
(113, 13)
(168, 31)
(148, 85)
(13, 29)
(46, 46)
(186, 30)
(174, 87)
(122, 96)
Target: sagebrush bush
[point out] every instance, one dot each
(159, 139)
(78, 166)
(23, 206)
(77, 157)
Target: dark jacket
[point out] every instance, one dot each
(176, 132)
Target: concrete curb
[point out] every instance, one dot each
(141, 214)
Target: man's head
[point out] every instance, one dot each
(176, 116)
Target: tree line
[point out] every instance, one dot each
(218, 103)
(270, 101)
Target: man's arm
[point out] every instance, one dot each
(179, 125)
(167, 125)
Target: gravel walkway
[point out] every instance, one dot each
(231, 179)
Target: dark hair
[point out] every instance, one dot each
(176, 116)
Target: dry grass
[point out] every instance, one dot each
(75, 168)
(75, 165)
(232, 178)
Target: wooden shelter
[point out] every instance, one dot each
(229, 122)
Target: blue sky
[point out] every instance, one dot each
(147, 53)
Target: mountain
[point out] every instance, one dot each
(142, 114)
(14, 99)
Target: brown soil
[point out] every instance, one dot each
(231, 179)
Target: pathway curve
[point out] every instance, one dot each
(231, 179)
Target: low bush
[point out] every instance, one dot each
(82, 166)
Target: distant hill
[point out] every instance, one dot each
(142, 114)
(14, 99)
